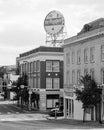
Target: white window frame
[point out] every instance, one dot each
(55, 66)
(56, 83)
(92, 54)
(85, 72)
(86, 55)
(92, 73)
(73, 76)
(48, 83)
(78, 76)
(73, 57)
(48, 66)
(102, 76)
(68, 58)
(68, 77)
(79, 57)
(102, 52)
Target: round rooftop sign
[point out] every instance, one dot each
(54, 23)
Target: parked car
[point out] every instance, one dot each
(58, 112)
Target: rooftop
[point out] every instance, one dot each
(88, 31)
(98, 23)
(42, 49)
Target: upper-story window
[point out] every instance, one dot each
(37, 65)
(92, 54)
(85, 71)
(92, 73)
(48, 66)
(78, 76)
(56, 83)
(86, 55)
(31, 65)
(52, 66)
(102, 52)
(68, 58)
(55, 66)
(78, 56)
(73, 57)
(102, 76)
(73, 76)
(34, 66)
(48, 83)
(68, 77)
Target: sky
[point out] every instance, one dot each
(22, 23)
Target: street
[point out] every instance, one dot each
(13, 117)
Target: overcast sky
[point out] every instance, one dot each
(22, 22)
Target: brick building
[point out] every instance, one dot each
(44, 67)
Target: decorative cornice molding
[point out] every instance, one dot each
(85, 39)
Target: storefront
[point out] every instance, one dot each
(51, 100)
(68, 102)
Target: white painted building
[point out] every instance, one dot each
(83, 53)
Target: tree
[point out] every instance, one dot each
(89, 95)
(23, 93)
(23, 80)
(2, 71)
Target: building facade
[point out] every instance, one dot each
(44, 67)
(83, 54)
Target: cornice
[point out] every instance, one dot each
(85, 39)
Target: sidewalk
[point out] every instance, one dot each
(43, 115)
(92, 124)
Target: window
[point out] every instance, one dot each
(31, 65)
(92, 54)
(52, 66)
(38, 66)
(78, 76)
(102, 52)
(78, 56)
(48, 66)
(73, 77)
(67, 77)
(92, 73)
(49, 103)
(34, 82)
(73, 57)
(34, 66)
(55, 66)
(56, 83)
(102, 76)
(85, 72)
(68, 58)
(38, 82)
(48, 83)
(86, 55)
